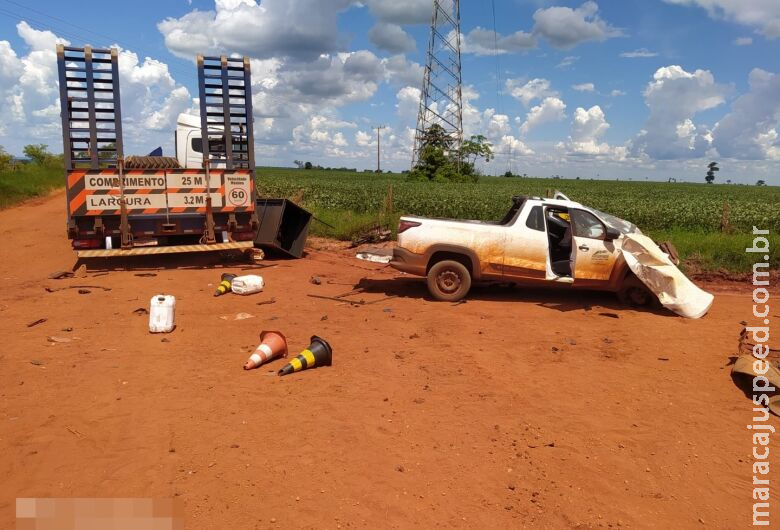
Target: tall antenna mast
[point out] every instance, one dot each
(441, 101)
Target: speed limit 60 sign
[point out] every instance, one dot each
(237, 190)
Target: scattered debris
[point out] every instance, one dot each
(164, 339)
(460, 302)
(58, 340)
(663, 358)
(84, 291)
(376, 255)
(141, 311)
(267, 302)
(534, 446)
(249, 284)
(387, 310)
(335, 299)
(75, 432)
(39, 321)
(318, 353)
(324, 318)
(146, 274)
(59, 275)
(68, 329)
(55, 289)
(610, 315)
(243, 316)
(315, 280)
(373, 234)
(36, 362)
(162, 313)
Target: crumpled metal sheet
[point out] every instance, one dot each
(654, 268)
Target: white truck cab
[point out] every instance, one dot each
(189, 142)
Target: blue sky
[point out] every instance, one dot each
(630, 89)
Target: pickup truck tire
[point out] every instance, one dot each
(634, 293)
(449, 281)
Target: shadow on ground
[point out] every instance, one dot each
(561, 299)
(192, 260)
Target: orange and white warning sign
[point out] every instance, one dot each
(97, 192)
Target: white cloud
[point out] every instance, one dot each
(400, 72)
(408, 103)
(164, 119)
(749, 131)
(303, 29)
(401, 11)
(551, 109)
(532, 90)
(743, 41)
(151, 98)
(391, 38)
(481, 41)
(584, 87)
(567, 61)
(616, 93)
(587, 128)
(641, 53)
(509, 145)
(764, 15)
(565, 28)
(674, 97)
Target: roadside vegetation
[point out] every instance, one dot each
(36, 178)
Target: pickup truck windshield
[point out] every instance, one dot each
(615, 222)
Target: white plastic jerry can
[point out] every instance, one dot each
(248, 284)
(162, 313)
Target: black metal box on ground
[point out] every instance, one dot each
(283, 226)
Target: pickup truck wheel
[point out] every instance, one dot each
(449, 281)
(634, 293)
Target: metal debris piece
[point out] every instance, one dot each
(39, 321)
(266, 302)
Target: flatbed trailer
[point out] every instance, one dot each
(113, 211)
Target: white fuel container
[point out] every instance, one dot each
(162, 313)
(248, 284)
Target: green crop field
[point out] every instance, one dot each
(691, 215)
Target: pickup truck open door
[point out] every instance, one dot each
(593, 256)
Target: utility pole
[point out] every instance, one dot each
(378, 146)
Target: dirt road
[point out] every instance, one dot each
(516, 409)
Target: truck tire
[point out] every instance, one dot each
(449, 281)
(634, 293)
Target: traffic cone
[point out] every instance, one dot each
(272, 344)
(225, 284)
(319, 353)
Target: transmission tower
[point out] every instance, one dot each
(441, 101)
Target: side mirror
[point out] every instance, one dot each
(612, 234)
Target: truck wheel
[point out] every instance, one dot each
(449, 281)
(634, 293)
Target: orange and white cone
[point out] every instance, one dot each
(272, 344)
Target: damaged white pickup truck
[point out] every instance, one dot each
(546, 241)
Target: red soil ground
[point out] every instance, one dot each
(516, 409)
